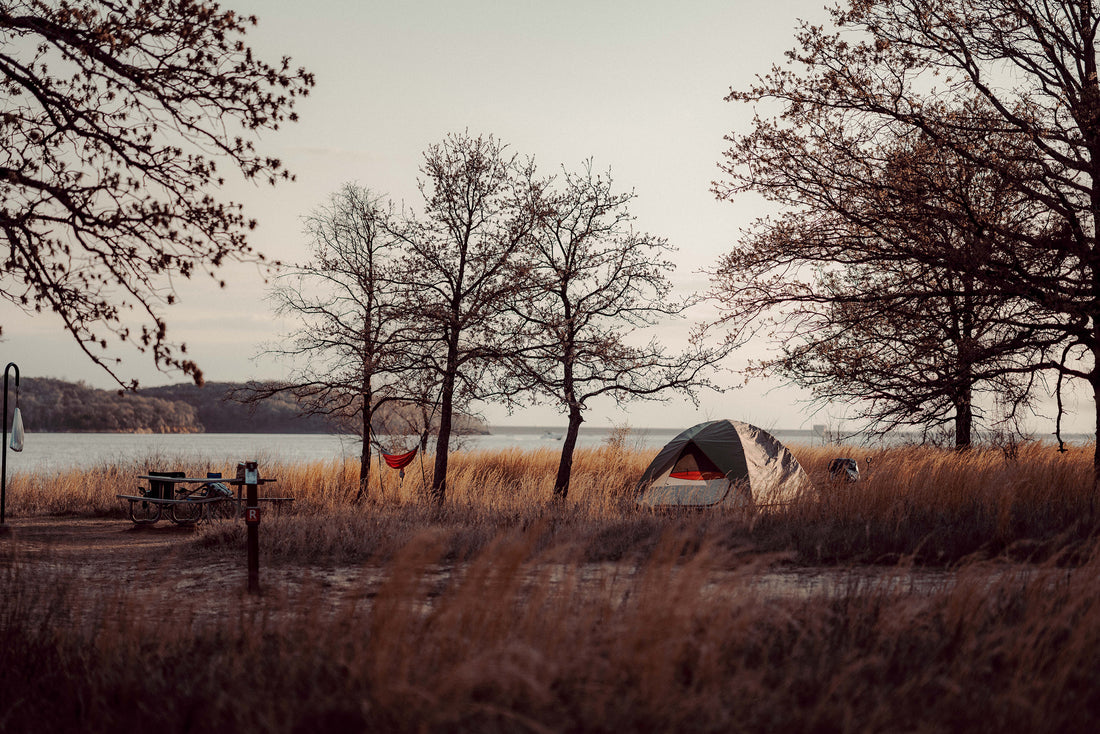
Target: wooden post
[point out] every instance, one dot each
(252, 521)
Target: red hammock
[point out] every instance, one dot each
(399, 461)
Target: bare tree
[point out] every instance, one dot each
(415, 418)
(1031, 69)
(869, 280)
(462, 263)
(349, 354)
(595, 282)
(907, 346)
(114, 117)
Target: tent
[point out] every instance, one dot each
(726, 463)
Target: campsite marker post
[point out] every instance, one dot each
(250, 475)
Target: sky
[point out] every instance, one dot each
(638, 87)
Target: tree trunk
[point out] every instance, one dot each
(1094, 379)
(964, 421)
(443, 442)
(442, 448)
(364, 455)
(565, 465)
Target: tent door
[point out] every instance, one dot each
(669, 492)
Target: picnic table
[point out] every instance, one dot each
(189, 500)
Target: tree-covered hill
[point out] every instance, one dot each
(52, 405)
(216, 414)
(58, 406)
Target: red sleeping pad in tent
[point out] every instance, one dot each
(694, 464)
(699, 475)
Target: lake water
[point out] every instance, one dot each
(45, 452)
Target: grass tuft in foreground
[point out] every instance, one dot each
(515, 640)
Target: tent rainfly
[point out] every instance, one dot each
(723, 463)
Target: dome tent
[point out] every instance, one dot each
(723, 463)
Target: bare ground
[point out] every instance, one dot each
(113, 553)
(107, 543)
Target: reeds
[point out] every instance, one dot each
(941, 506)
(930, 505)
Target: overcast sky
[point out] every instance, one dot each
(637, 86)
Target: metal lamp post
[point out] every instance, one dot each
(16, 438)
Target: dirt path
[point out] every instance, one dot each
(106, 554)
(94, 540)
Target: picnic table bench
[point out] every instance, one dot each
(189, 500)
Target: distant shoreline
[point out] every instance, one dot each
(556, 432)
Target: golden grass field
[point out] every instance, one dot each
(505, 611)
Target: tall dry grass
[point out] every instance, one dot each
(926, 504)
(941, 506)
(505, 611)
(493, 480)
(517, 641)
